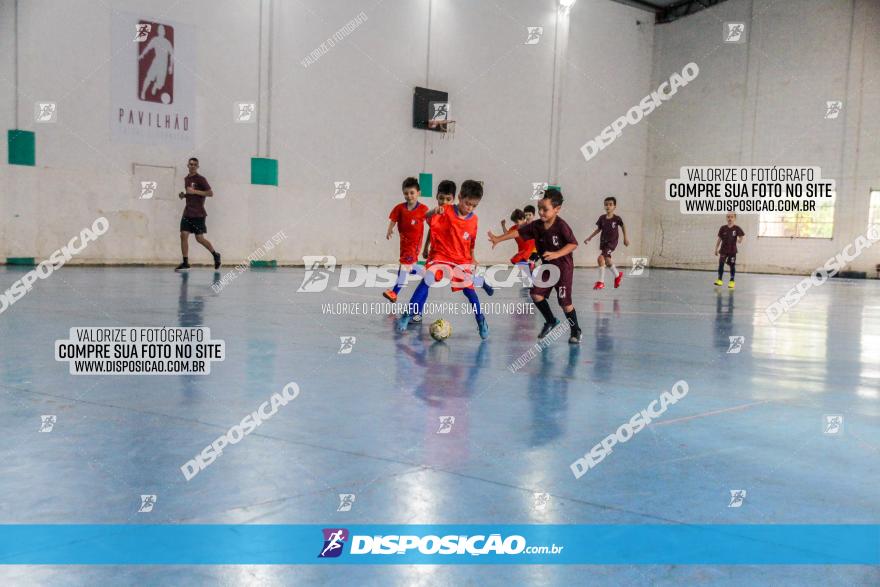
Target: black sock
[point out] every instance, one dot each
(573, 320)
(544, 307)
(732, 271)
(186, 260)
(720, 266)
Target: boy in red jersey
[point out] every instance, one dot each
(608, 224)
(555, 242)
(453, 234)
(445, 195)
(409, 216)
(729, 236)
(525, 248)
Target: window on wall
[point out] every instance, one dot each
(818, 224)
(874, 210)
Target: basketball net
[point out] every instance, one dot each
(447, 127)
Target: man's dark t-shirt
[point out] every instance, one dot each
(610, 231)
(195, 205)
(551, 239)
(728, 236)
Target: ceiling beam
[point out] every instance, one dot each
(683, 8)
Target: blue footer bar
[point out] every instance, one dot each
(89, 544)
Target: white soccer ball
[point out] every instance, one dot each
(441, 330)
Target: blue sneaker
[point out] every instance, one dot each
(483, 326)
(403, 322)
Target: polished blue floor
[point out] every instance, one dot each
(366, 422)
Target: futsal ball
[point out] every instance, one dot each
(441, 330)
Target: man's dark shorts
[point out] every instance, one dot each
(193, 225)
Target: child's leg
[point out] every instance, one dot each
(402, 273)
(544, 307)
(731, 261)
(721, 259)
(471, 295)
(200, 238)
(601, 261)
(611, 266)
(419, 297)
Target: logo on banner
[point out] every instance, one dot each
(318, 271)
(334, 540)
(156, 63)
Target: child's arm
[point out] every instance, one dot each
(589, 238)
(503, 225)
(504, 237)
(625, 239)
(717, 245)
(427, 245)
(550, 255)
(391, 224)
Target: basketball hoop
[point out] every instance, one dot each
(447, 127)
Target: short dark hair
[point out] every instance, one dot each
(447, 186)
(517, 215)
(529, 208)
(192, 159)
(611, 199)
(555, 197)
(411, 182)
(471, 189)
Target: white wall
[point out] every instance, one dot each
(763, 103)
(346, 117)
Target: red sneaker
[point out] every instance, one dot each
(618, 279)
(599, 285)
(390, 296)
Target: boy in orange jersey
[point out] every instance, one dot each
(409, 216)
(525, 247)
(453, 237)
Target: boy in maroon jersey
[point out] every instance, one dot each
(608, 225)
(729, 236)
(555, 242)
(194, 214)
(409, 216)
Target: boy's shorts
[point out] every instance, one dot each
(409, 256)
(729, 259)
(461, 274)
(606, 250)
(563, 288)
(193, 225)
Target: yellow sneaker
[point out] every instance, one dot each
(732, 284)
(719, 282)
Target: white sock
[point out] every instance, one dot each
(613, 271)
(601, 272)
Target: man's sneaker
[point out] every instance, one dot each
(216, 260)
(403, 322)
(575, 337)
(488, 288)
(618, 279)
(416, 318)
(599, 285)
(390, 296)
(548, 326)
(483, 326)
(732, 284)
(719, 282)
(182, 267)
